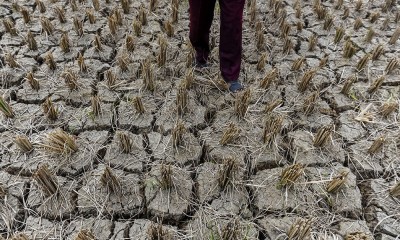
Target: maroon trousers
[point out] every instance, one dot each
(230, 44)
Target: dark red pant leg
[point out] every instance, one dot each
(230, 43)
(201, 17)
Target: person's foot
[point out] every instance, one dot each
(235, 86)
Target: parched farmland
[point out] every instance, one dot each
(108, 132)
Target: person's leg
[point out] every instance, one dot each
(201, 16)
(230, 43)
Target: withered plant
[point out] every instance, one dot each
(370, 35)
(65, 44)
(359, 4)
(320, 11)
(169, 28)
(96, 106)
(90, 16)
(285, 30)
(175, 10)
(299, 26)
(137, 27)
(10, 60)
(110, 78)
(358, 24)
(242, 103)
(98, 46)
(290, 174)
(376, 145)
(50, 110)
(261, 62)
(130, 43)
(123, 62)
(397, 17)
(96, 5)
(231, 230)
(33, 82)
(272, 127)
(388, 107)
(322, 136)
(385, 24)
(258, 26)
(349, 49)
(40, 5)
(112, 24)
(73, 5)
(60, 142)
(374, 17)
(328, 22)
(118, 16)
(23, 143)
(392, 65)
(71, 80)
(110, 181)
(142, 16)
(124, 142)
(227, 173)
(395, 36)
(9, 27)
(182, 99)
(363, 62)
(85, 234)
(252, 10)
(260, 40)
(162, 54)
(297, 10)
(376, 84)
(138, 105)
(272, 105)
(51, 63)
(125, 6)
(60, 14)
(323, 61)
(165, 180)
(81, 63)
(306, 79)
(6, 109)
(78, 26)
(339, 4)
(148, 75)
(189, 78)
(30, 40)
(46, 180)
(339, 34)
(3, 191)
(377, 52)
(300, 230)
(395, 191)
(357, 236)
(270, 77)
(337, 182)
(177, 134)
(298, 63)
(347, 85)
(309, 103)
(230, 134)
(312, 42)
(157, 232)
(190, 56)
(346, 13)
(287, 45)
(25, 15)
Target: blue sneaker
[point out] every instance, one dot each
(235, 86)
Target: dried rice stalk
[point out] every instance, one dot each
(81, 63)
(153, 5)
(349, 49)
(71, 80)
(287, 45)
(110, 181)
(138, 105)
(40, 5)
(260, 40)
(269, 78)
(262, 61)
(97, 43)
(96, 107)
(177, 134)
(6, 109)
(231, 230)
(298, 63)
(142, 16)
(227, 173)
(3, 191)
(30, 39)
(395, 191)
(274, 104)
(370, 35)
(137, 27)
(25, 15)
(385, 24)
(339, 34)
(242, 103)
(60, 142)
(85, 235)
(323, 61)
(285, 30)
(357, 236)
(339, 4)
(112, 24)
(376, 145)
(33, 82)
(9, 26)
(230, 134)
(118, 16)
(123, 62)
(110, 79)
(169, 28)
(312, 42)
(51, 63)
(64, 43)
(309, 103)
(358, 24)
(393, 64)
(60, 14)
(166, 177)
(125, 6)
(90, 16)
(377, 52)
(346, 13)
(322, 136)
(162, 54)
(320, 11)
(299, 26)
(337, 182)
(388, 107)
(374, 17)
(49, 109)
(175, 11)
(359, 4)
(182, 99)
(125, 143)
(96, 5)
(46, 180)
(156, 231)
(148, 75)
(129, 43)
(73, 4)
(363, 62)
(273, 126)
(23, 143)
(300, 230)
(189, 79)
(376, 84)
(395, 36)
(306, 79)
(290, 174)
(347, 84)
(10, 60)
(328, 22)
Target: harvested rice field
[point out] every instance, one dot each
(108, 132)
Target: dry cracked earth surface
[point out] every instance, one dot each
(107, 132)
